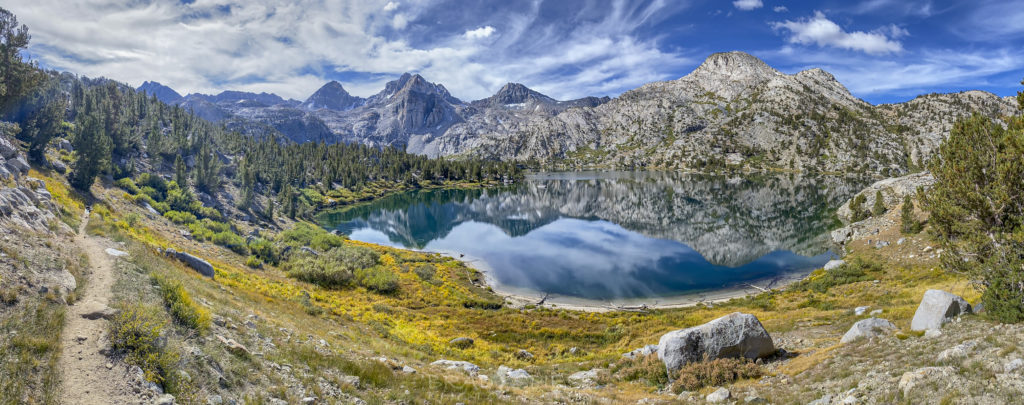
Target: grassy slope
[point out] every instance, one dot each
(414, 325)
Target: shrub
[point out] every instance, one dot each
(855, 270)
(377, 278)
(648, 369)
(336, 267)
(303, 234)
(212, 213)
(179, 217)
(710, 373)
(253, 262)
(127, 184)
(231, 241)
(136, 331)
(857, 211)
(425, 271)
(180, 304)
(264, 250)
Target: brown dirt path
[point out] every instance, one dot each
(87, 378)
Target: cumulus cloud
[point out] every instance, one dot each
(780, 9)
(821, 31)
(747, 5)
(293, 48)
(482, 32)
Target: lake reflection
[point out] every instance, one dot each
(616, 235)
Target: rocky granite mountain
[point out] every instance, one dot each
(332, 96)
(161, 92)
(732, 110)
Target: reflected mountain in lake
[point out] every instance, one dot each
(617, 235)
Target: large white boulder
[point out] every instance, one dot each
(733, 335)
(938, 307)
(867, 328)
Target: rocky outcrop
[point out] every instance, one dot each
(893, 190)
(201, 266)
(867, 328)
(641, 352)
(332, 96)
(509, 376)
(586, 379)
(733, 335)
(937, 308)
(24, 201)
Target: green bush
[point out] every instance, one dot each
(180, 304)
(264, 250)
(253, 262)
(231, 241)
(857, 210)
(425, 271)
(855, 270)
(179, 217)
(377, 278)
(304, 234)
(127, 184)
(335, 268)
(136, 331)
(908, 223)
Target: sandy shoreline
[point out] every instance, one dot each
(520, 297)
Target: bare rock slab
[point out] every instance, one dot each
(867, 328)
(733, 335)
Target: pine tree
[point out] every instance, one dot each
(908, 223)
(857, 211)
(17, 77)
(879, 208)
(977, 210)
(43, 126)
(93, 147)
(180, 172)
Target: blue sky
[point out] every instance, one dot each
(882, 50)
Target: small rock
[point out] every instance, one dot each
(461, 342)
(80, 339)
(524, 355)
(860, 310)
(641, 352)
(720, 395)
(583, 379)
(507, 375)
(408, 370)
(109, 365)
(1013, 365)
(116, 253)
(165, 399)
(232, 345)
(876, 312)
(901, 241)
(469, 368)
(957, 352)
(912, 379)
(754, 399)
(825, 400)
(867, 328)
(309, 400)
(932, 333)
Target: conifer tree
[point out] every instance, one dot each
(180, 172)
(93, 146)
(879, 208)
(908, 223)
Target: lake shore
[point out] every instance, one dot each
(521, 297)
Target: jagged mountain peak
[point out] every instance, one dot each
(413, 83)
(735, 64)
(162, 93)
(515, 93)
(332, 96)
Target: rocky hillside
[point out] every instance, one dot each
(732, 110)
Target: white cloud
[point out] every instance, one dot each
(291, 49)
(482, 32)
(747, 5)
(780, 9)
(821, 31)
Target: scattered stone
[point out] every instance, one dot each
(309, 250)
(524, 355)
(733, 335)
(754, 399)
(937, 308)
(309, 400)
(901, 241)
(165, 399)
(116, 253)
(876, 312)
(641, 352)
(825, 400)
(483, 378)
(80, 339)
(461, 342)
(932, 333)
(469, 368)
(507, 375)
(867, 328)
(833, 264)
(922, 376)
(1013, 365)
(232, 345)
(978, 308)
(720, 395)
(957, 352)
(860, 310)
(109, 365)
(408, 370)
(881, 244)
(584, 379)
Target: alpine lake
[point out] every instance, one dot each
(617, 237)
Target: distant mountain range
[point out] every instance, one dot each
(732, 110)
